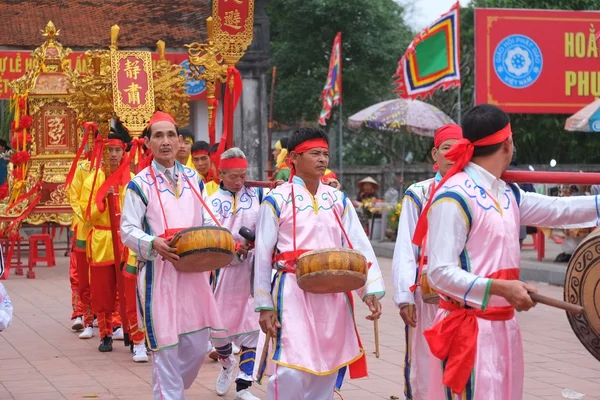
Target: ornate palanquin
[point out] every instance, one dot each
(54, 132)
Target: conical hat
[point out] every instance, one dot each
(368, 179)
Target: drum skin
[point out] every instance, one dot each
(204, 248)
(331, 271)
(428, 295)
(582, 287)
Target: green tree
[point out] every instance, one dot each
(538, 137)
(374, 37)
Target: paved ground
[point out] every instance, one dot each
(41, 359)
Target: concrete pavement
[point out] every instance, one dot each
(42, 359)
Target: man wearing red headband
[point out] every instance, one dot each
(201, 158)
(310, 348)
(179, 308)
(100, 252)
(236, 206)
(474, 259)
(417, 315)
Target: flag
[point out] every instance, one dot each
(432, 60)
(332, 92)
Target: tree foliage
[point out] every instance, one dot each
(374, 37)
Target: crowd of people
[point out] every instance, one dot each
(458, 234)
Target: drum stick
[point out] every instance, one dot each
(265, 351)
(376, 326)
(563, 305)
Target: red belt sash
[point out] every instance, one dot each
(358, 369)
(454, 338)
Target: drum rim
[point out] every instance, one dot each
(332, 249)
(197, 228)
(207, 249)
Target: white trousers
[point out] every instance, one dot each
(293, 384)
(174, 369)
(420, 354)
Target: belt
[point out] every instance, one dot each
(454, 339)
(289, 259)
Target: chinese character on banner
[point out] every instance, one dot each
(233, 17)
(133, 90)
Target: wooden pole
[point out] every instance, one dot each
(270, 175)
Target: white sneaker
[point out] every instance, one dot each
(245, 395)
(236, 350)
(77, 324)
(118, 334)
(139, 353)
(87, 333)
(226, 378)
(95, 324)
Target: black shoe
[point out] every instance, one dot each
(563, 258)
(105, 345)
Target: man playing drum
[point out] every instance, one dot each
(474, 259)
(236, 206)
(314, 334)
(417, 315)
(179, 308)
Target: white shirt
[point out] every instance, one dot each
(448, 232)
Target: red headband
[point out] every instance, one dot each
(230, 163)
(160, 116)
(311, 144)
(447, 132)
(200, 153)
(116, 143)
(460, 153)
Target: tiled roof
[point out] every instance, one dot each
(86, 24)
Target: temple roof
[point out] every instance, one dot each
(86, 24)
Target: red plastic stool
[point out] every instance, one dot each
(9, 255)
(34, 256)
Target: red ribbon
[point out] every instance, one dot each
(87, 126)
(460, 153)
(233, 92)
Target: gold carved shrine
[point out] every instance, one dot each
(54, 132)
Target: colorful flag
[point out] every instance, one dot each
(432, 60)
(332, 92)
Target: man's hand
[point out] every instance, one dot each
(243, 249)
(408, 313)
(374, 307)
(167, 252)
(515, 292)
(278, 183)
(268, 322)
(111, 190)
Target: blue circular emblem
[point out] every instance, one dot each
(518, 61)
(193, 87)
(595, 125)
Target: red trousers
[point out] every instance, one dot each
(82, 279)
(75, 299)
(104, 297)
(135, 334)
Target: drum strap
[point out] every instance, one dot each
(162, 208)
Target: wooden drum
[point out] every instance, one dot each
(331, 271)
(428, 295)
(204, 248)
(582, 287)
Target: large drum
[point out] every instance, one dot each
(204, 248)
(427, 293)
(331, 271)
(582, 287)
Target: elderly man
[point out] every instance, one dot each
(236, 205)
(179, 307)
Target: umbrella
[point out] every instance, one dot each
(585, 120)
(392, 115)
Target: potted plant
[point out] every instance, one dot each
(392, 224)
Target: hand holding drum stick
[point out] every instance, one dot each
(375, 307)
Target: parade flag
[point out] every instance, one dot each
(332, 92)
(432, 60)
